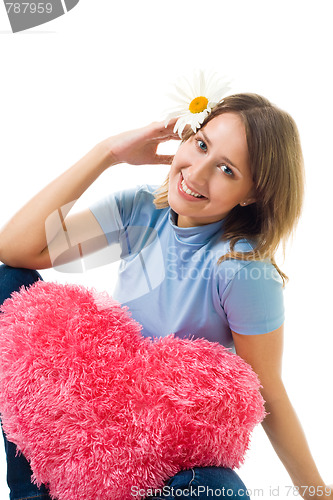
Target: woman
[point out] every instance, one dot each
(233, 194)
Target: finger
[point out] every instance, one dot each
(164, 159)
(173, 137)
(159, 133)
(171, 123)
(166, 138)
(161, 129)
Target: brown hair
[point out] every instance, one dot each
(276, 164)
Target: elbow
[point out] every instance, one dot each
(4, 254)
(5, 250)
(10, 258)
(273, 391)
(9, 261)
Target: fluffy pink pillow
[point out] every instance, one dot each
(98, 409)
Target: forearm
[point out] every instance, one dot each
(24, 235)
(288, 439)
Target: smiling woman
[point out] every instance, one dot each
(201, 164)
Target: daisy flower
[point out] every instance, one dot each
(195, 101)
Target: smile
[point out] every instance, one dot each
(187, 192)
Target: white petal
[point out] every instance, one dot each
(181, 129)
(175, 128)
(202, 84)
(180, 125)
(212, 104)
(178, 99)
(169, 116)
(196, 85)
(217, 88)
(176, 112)
(196, 122)
(194, 127)
(203, 115)
(212, 84)
(186, 93)
(182, 119)
(190, 88)
(179, 109)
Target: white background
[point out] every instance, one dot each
(106, 66)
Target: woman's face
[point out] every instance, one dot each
(214, 164)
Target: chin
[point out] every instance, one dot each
(177, 205)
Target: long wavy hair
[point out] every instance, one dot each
(276, 164)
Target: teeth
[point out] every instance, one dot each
(188, 191)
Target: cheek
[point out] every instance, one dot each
(173, 171)
(182, 156)
(225, 191)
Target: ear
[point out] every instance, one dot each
(248, 201)
(251, 198)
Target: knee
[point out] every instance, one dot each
(12, 278)
(219, 482)
(19, 274)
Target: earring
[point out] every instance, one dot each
(243, 203)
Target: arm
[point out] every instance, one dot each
(23, 238)
(23, 241)
(264, 354)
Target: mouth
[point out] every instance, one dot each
(187, 192)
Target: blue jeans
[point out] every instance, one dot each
(200, 482)
(18, 468)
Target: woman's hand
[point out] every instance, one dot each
(139, 147)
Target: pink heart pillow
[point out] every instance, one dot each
(99, 410)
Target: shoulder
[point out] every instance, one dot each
(231, 269)
(136, 193)
(130, 201)
(257, 277)
(146, 190)
(250, 293)
(243, 277)
(119, 207)
(136, 207)
(138, 196)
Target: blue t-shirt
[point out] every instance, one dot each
(170, 279)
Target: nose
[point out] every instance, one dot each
(198, 174)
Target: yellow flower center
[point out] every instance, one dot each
(198, 104)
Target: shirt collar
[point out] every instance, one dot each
(196, 234)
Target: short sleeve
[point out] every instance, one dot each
(124, 217)
(113, 212)
(253, 299)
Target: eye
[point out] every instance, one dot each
(226, 170)
(201, 145)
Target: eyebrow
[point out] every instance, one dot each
(224, 158)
